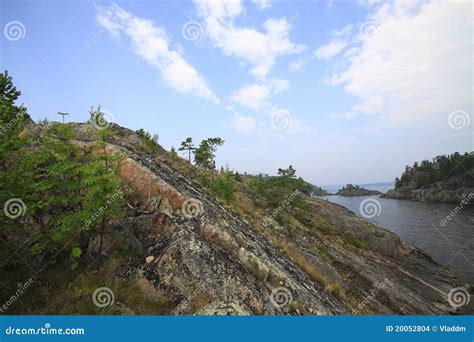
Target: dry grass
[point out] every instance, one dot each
(76, 297)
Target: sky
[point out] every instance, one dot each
(345, 91)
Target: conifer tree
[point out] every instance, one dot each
(13, 119)
(103, 198)
(204, 155)
(187, 145)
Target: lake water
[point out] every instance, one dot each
(420, 224)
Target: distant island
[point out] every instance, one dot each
(356, 190)
(448, 178)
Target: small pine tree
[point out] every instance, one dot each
(52, 188)
(103, 199)
(187, 145)
(204, 155)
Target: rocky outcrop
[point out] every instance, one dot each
(441, 193)
(206, 259)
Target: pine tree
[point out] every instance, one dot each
(53, 188)
(13, 120)
(103, 198)
(204, 155)
(187, 145)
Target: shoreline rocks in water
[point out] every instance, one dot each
(356, 190)
(432, 194)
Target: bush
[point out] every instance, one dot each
(354, 241)
(150, 141)
(223, 187)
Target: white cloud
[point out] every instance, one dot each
(262, 4)
(287, 125)
(417, 66)
(245, 124)
(330, 50)
(279, 85)
(219, 9)
(256, 96)
(152, 44)
(259, 48)
(344, 32)
(298, 64)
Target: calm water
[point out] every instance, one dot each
(420, 224)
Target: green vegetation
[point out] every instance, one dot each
(187, 145)
(350, 187)
(205, 154)
(274, 190)
(326, 227)
(354, 241)
(442, 168)
(64, 195)
(63, 115)
(223, 186)
(150, 141)
(325, 249)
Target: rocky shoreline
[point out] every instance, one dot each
(433, 194)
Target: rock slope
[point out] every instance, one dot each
(209, 260)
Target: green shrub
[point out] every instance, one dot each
(326, 228)
(150, 141)
(325, 251)
(223, 187)
(354, 241)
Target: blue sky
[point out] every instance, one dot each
(344, 91)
